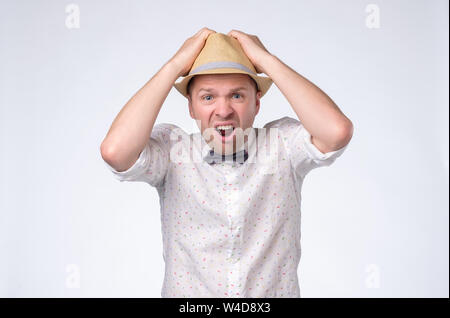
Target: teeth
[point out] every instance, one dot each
(224, 127)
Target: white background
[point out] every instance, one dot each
(374, 224)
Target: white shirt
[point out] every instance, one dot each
(230, 229)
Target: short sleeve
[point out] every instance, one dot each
(153, 162)
(303, 154)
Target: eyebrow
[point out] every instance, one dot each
(231, 90)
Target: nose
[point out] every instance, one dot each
(224, 109)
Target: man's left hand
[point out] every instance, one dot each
(253, 48)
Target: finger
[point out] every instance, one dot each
(210, 32)
(206, 30)
(206, 34)
(238, 33)
(234, 33)
(201, 31)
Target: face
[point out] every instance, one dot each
(224, 99)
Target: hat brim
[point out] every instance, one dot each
(263, 83)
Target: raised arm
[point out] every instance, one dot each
(133, 125)
(330, 129)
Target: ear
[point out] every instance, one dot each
(191, 110)
(257, 102)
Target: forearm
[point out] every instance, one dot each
(132, 127)
(317, 112)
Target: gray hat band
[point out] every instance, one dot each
(224, 64)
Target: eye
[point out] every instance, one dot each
(236, 94)
(204, 97)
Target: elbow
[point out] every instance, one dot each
(109, 156)
(107, 152)
(115, 158)
(343, 135)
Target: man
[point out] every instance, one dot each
(230, 222)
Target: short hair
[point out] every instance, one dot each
(189, 85)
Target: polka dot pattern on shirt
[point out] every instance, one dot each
(230, 229)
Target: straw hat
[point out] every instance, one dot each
(222, 54)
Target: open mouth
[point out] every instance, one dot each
(225, 131)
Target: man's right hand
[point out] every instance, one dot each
(132, 127)
(186, 55)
